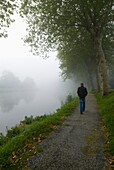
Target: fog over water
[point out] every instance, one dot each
(16, 62)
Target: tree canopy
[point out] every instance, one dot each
(61, 23)
(54, 21)
(7, 9)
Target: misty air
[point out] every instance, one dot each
(56, 84)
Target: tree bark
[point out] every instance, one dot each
(102, 63)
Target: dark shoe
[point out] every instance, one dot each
(81, 113)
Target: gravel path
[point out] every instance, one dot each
(77, 145)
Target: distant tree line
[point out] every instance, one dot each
(10, 82)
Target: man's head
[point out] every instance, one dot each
(82, 84)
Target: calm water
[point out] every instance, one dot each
(14, 106)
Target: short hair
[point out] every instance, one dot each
(82, 84)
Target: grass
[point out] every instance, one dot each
(106, 105)
(21, 142)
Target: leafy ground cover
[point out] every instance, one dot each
(106, 106)
(21, 142)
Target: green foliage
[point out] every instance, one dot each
(13, 132)
(22, 141)
(28, 120)
(77, 57)
(31, 119)
(7, 9)
(52, 23)
(69, 98)
(106, 105)
(3, 139)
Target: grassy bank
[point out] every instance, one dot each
(21, 142)
(106, 105)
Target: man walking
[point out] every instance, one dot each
(82, 93)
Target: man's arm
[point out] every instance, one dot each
(78, 91)
(86, 92)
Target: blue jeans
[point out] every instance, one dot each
(82, 105)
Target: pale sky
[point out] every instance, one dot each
(15, 56)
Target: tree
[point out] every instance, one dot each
(78, 58)
(53, 22)
(7, 8)
(9, 82)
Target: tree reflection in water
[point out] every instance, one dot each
(10, 99)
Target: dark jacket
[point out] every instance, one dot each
(82, 92)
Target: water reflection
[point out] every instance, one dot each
(14, 106)
(10, 99)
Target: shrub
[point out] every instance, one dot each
(3, 139)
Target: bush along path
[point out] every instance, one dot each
(79, 144)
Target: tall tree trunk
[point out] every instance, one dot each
(102, 63)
